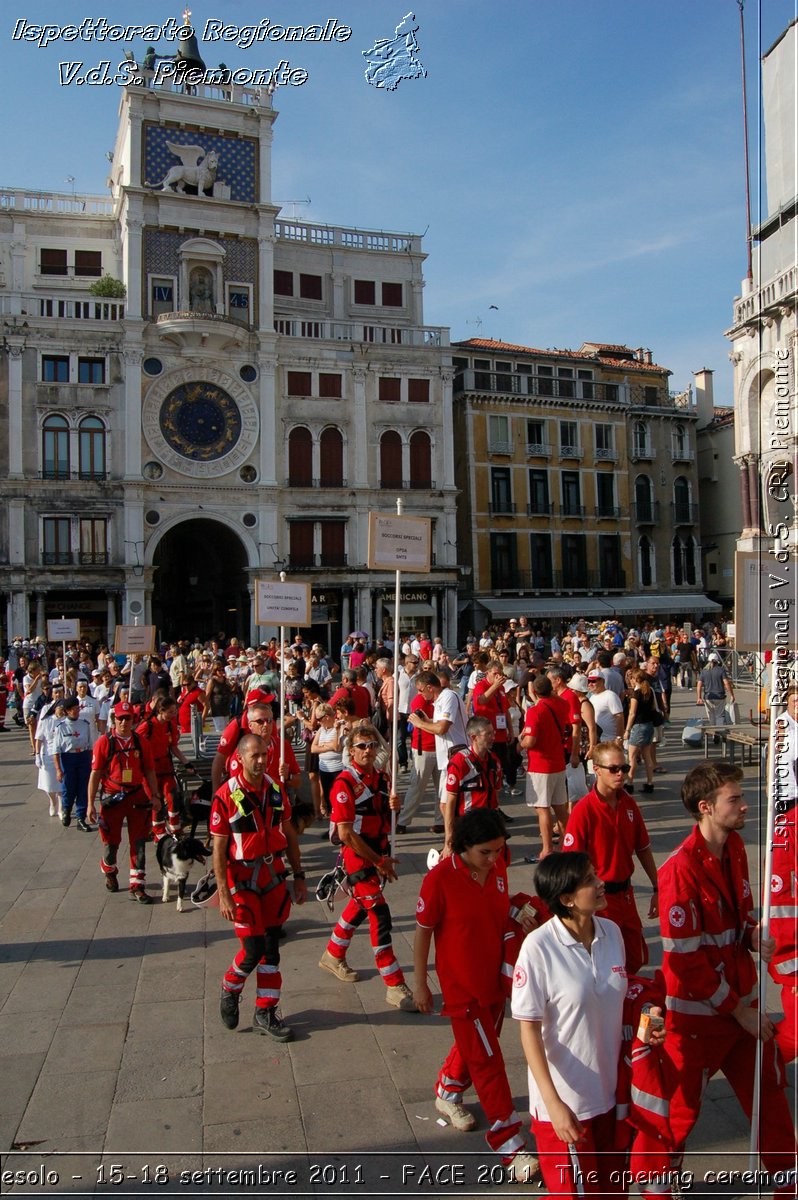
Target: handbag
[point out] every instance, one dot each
(657, 718)
(576, 781)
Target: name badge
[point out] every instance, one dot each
(501, 721)
(127, 775)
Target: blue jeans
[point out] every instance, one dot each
(75, 784)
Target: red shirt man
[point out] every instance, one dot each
(473, 778)
(543, 737)
(257, 719)
(489, 699)
(608, 825)
(350, 689)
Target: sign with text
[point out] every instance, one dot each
(765, 602)
(399, 543)
(63, 630)
(134, 639)
(279, 603)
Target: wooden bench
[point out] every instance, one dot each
(747, 737)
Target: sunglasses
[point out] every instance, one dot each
(365, 745)
(615, 768)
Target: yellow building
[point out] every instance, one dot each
(551, 519)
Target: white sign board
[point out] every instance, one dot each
(134, 639)
(63, 630)
(279, 603)
(399, 543)
(765, 615)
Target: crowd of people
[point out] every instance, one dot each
(567, 722)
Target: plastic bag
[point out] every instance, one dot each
(576, 782)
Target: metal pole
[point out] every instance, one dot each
(282, 692)
(740, 4)
(395, 713)
(770, 823)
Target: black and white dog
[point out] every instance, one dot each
(176, 857)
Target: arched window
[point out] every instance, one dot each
(420, 460)
(640, 438)
(646, 553)
(390, 460)
(644, 499)
(689, 560)
(331, 454)
(678, 441)
(678, 566)
(91, 448)
(55, 448)
(300, 458)
(681, 500)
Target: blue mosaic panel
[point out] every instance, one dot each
(161, 256)
(237, 158)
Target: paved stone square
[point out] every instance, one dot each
(118, 1076)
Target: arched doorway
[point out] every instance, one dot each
(200, 583)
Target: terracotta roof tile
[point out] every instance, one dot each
(626, 363)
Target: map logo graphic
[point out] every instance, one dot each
(390, 60)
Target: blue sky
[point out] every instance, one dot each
(577, 163)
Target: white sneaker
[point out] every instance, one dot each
(456, 1114)
(53, 809)
(399, 996)
(338, 967)
(524, 1168)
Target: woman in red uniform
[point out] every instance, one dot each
(159, 732)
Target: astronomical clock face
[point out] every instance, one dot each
(200, 421)
(204, 427)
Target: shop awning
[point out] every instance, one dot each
(412, 610)
(571, 608)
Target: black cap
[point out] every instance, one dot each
(70, 702)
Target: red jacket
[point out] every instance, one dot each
(706, 924)
(784, 901)
(646, 1075)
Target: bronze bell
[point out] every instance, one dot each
(188, 56)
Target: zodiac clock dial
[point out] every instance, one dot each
(200, 421)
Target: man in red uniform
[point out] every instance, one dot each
(473, 778)
(708, 933)
(251, 829)
(159, 731)
(361, 800)
(783, 887)
(608, 825)
(489, 699)
(573, 739)
(546, 727)
(350, 689)
(465, 902)
(258, 718)
(121, 765)
(424, 766)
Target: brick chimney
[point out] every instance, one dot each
(704, 396)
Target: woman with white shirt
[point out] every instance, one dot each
(568, 992)
(328, 743)
(49, 717)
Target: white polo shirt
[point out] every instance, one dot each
(578, 998)
(449, 707)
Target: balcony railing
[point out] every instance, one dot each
(522, 383)
(578, 583)
(646, 514)
(308, 562)
(353, 239)
(777, 291)
(504, 508)
(166, 318)
(56, 203)
(504, 448)
(64, 473)
(539, 510)
(684, 514)
(606, 454)
(607, 512)
(387, 485)
(642, 450)
(538, 450)
(361, 331)
(96, 559)
(571, 452)
(682, 453)
(337, 482)
(572, 510)
(57, 558)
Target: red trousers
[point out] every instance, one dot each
(476, 1057)
(622, 909)
(591, 1167)
(731, 1050)
(368, 901)
(257, 924)
(136, 810)
(787, 1030)
(170, 817)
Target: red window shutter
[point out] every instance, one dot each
(418, 391)
(300, 458)
(301, 543)
(420, 460)
(390, 460)
(365, 291)
(331, 453)
(332, 544)
(390, 390)
(329, 386)
(299, 383)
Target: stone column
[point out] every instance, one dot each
(110, 618)
(753, 488)
(362, 617)
(267, 404)
(41, 624)
(132, 264)
(15, 347)
(446, 451)
(360, 428)
(745, 489)
(265, 320)
(19, 625)
(131, 358)
(346, 621)
(449, 634)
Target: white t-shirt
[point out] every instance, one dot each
(449, 707)
(606, 706)
(578, 998)
(407, 691)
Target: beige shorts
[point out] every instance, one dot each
(546, 791)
